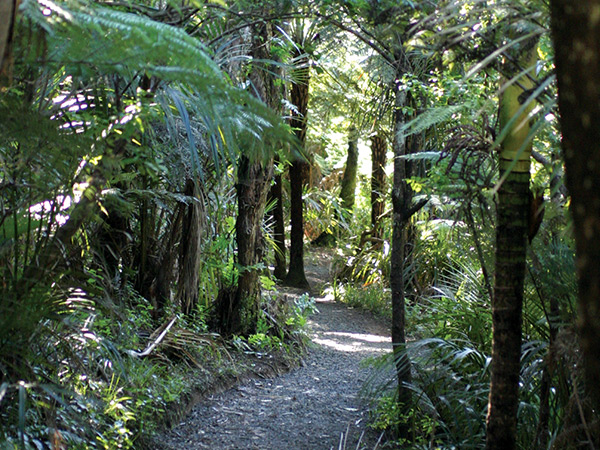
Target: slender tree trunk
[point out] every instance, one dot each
(512, 228)
(576, 36)
(276, 195)
(378, 158)
(403, 210)
(296, 276)
(348, 191)
(299, 98)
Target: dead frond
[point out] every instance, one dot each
(470, 150)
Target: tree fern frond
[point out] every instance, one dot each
(106, 41)
(186, 121)
(432, 117)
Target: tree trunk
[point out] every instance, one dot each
(512, 228)
(576, 36)
(252, 187)
(403, 210)
(276, 196)
(8, 12)
(189, 259)
(378, 158)
(348, 191)
(240, 311)
(299, 98)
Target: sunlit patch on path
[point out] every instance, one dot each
(352, 342)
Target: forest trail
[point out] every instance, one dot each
(307, 408)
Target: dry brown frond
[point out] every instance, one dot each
(470, 147)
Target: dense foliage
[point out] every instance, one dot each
(128, 131)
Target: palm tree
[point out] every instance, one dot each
(512, 227)
(302, 35)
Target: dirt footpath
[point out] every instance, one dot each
(313, 406)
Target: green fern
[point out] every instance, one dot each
(95, 41)
(432, 117)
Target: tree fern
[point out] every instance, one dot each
(99, 40)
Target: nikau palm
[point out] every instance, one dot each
(511, 244)
(299, 98)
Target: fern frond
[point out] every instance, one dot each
(432, 117)
(98, 41)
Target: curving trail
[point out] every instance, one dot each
(308, 408)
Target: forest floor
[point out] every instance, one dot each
(315, 406)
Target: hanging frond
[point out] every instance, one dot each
(470, 147)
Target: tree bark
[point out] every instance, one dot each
(299, 98)
(401, 203)
(378, 158)
(576, 36)
(348, 191)
(252, 188)
(512, 228)
(189, 258)
(240, 311)
(8, 13)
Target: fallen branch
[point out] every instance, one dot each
(156, 342)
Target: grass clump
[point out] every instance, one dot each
(371, 297)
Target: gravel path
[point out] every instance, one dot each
(308, 408)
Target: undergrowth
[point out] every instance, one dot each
(449, 327)
(97, 382)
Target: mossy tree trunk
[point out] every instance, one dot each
(239, 311)
(512, 226)
(252, 187)
(576, 36)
